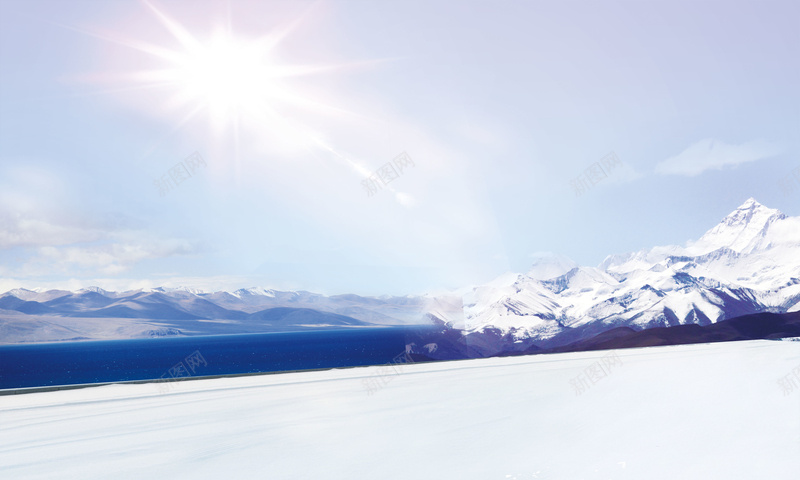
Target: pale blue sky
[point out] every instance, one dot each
(499, 105)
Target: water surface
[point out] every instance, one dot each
(68, 363)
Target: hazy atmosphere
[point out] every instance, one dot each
(380, 147)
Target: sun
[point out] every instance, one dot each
(226, 76)
(229, 77)
(241, 84)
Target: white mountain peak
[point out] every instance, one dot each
(549, 265)
(92, 289)
(24, 293)
(263, 291)
(743, 231)
(194, 291)
(751, 211)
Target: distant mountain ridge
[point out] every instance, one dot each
(94, 313)
(747, 264)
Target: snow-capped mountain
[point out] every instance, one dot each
(748, 263)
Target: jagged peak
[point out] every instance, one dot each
(740, 230)
(750, 211)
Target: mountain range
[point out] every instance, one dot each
(747, 264)
(94, 313)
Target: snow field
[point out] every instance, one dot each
(710, 411)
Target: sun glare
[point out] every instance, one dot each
(226, 76)
(230, 77)
(235, 80)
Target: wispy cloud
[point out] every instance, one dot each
(109, 259)
(16, 231)
(35, 210)
(49, 232)
(711, 154)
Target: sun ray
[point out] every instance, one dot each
(115, 91)
(228, 76)
(112, 37)
(271, 40)
(183, 36)
(236, 81)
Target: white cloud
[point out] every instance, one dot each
(54, 235)
(710, 154)
(35, 211)
(109, 259)
(16, 231)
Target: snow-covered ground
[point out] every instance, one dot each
(710, 411)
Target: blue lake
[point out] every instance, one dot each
(69, 363)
